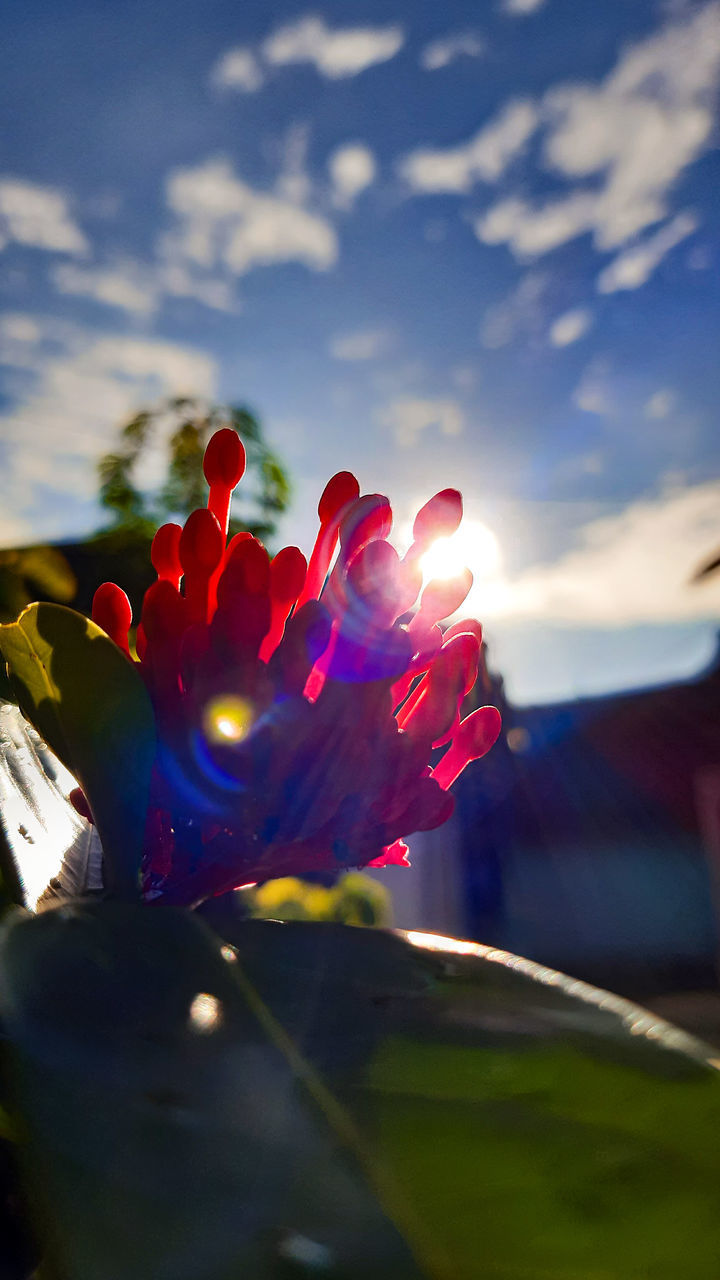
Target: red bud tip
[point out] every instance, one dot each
(466, 652)
(439, 517)
(201, 543)
(247, 572)
(443, 596)
(338, 491)
(478, 732)
(369, 518)
(374, 576)
(235, 541)
(163, 615)
(112, 611)
(165, 552)
(466, 626)
(79, 802)
(224, 461)
(373, 568)
(474, 738)
(287, 574)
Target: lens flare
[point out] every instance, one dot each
(205, 1014)
(227, 720)
(474, 546)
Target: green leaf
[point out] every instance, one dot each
(533, 1136)
(337, 1093)
(172, 1129)
(89, 703)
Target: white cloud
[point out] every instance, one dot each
(635, 265)
(177, 280)
(140, 288)
(352, 169)
(124, 286)
(464, 377)
(407, 417)
(222, 227)
(627, 569)
(346, 51)
(517, 8)
(700, 258)
(20, 328)
(222, 221)
(521, 312)
(237, 69)
(366, 344)
(594, 392)
(293, 181)
(440, 53)
(570, 326)
(484, 158)
(531, 231)
(634, 133)
(83, 388)
(38, 217)
(660, 404)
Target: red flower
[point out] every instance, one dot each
(295, 714)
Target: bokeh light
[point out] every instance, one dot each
(228, 719)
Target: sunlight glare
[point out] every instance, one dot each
(473, 546)
(228, 719)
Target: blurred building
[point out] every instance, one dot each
(589, 838)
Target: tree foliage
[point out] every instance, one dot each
(188, 424)
(26, 572)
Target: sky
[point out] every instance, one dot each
(470, 245)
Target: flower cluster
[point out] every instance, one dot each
(296, 713)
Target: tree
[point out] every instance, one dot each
(707, 568)
(26, 572)
(121, 550)
(189, 424)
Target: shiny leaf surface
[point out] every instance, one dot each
(89, 703)
(173, 1131)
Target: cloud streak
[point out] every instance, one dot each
(408, 417)
(81, 387)
(626, 569)
(520, 8)
(220, 220)
(352, 169)
(570, 327)
(238, 69)
(441, 53)
(38, 217)
(483, 159)
(632, 135)
(634, 267)
(366, 344)
(335, 53)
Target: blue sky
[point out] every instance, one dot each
(471, 245)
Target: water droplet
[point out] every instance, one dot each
(307, 1253)
(205, 1014)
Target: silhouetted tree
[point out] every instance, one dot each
(27, 572)
(705, 570)
(121, 550)
(263, 496)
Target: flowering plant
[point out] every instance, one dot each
(285, 715)
(185, 1095)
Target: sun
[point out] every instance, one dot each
(473, 546)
